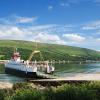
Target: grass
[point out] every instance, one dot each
(80, 91)
(49, 51)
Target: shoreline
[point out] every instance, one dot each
(6, 85)
(79, 78)
(63, 61)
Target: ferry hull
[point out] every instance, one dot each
(21, 73)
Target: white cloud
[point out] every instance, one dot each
(92, 25)
(25, 34)
(41, 33)
(50, 33)
(14, 19)
(74, 37)
(25, 19)
(97, 39)
(41, 27)
(11, 32)
(65, 4)
(48, 38)
(50, 7)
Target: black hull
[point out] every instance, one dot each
(21, 73)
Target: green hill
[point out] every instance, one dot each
(49, 51)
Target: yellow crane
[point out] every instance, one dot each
(35, 51)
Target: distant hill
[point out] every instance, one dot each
(49, 51)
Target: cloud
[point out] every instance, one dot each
(42, 33)
(96, 1)
(74, 1)
(47, 33)
(92, 25)
(48, 38)
(79, 1)
(14, 19)
(13, 32)
(50, 7)
(64, 4)
(25, 19)
(74, 37)
(98, 32)
(43, 27)
(97, 40)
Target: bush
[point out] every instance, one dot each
(27, 94)
(24, 85)
(73, 92)
(1, 94)
(49, 93)
(81, 91)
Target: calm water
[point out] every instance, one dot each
(72, 69)
(61, 70)
(8, 78)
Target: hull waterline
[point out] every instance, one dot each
(20, 73)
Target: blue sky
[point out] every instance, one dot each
(68, 22)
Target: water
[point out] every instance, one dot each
(8, 78)
(61, 70)
(64, 70)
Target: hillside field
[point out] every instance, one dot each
(49, 51)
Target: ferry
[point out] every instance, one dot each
(28, 68)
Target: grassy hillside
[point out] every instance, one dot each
(49, 51)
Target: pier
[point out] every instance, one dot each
(59, 62)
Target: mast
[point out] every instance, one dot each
(16, 56)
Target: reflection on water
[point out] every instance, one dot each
(72, 69)
(60, 70)
(8, 78)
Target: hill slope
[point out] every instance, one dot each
(49, 51)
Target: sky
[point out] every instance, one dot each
(66, 22)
